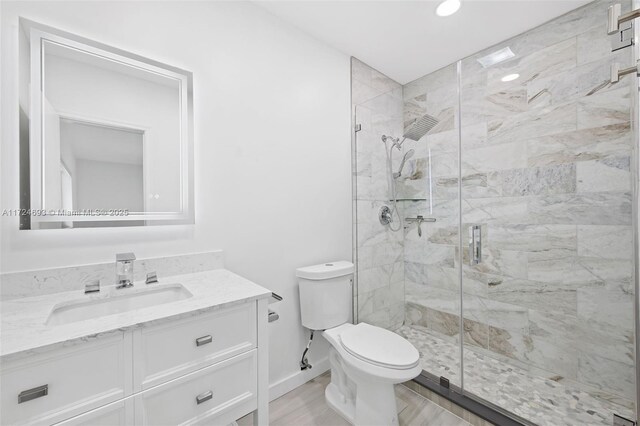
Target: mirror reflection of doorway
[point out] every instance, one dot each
(101, 167)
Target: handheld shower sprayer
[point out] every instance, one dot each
(408, 155)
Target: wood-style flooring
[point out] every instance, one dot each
(306, 406)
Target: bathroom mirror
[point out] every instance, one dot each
(109, 135)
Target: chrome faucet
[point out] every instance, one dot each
(124, 270)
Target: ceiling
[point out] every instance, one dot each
(406, 39)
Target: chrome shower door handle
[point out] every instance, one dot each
(475, 244)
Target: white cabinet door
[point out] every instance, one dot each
(216, 395)
(118, 413)
(56, 385)
(168, 351)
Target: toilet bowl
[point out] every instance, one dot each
(366, 361)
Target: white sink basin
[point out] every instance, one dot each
(118, 301)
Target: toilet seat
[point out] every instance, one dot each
(379, 347)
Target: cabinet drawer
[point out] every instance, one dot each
(119, 413)
(53, 386)
(218, 394)
(165, 352)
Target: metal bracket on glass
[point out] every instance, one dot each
(475, 244)
(616, 18)
(420, 219)
(617, 73)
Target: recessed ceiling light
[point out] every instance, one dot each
(448, 7)
(510, 77)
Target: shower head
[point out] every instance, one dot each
(407, 155)
(420, 127)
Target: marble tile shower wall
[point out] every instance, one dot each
(378, 107)
(546, 173)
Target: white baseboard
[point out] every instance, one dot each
(279, 388)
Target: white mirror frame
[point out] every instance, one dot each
(38, 35)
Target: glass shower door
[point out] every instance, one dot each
(548, 301)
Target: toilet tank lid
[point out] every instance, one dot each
(325, 270)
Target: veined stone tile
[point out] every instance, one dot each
(500, 262)
(380, 318)
(505, 316)
(604, 108)
(509, 343)
(571, 86)
(593, 46)
(546, 297)
(383, 83)
(414, 109)
(614, 342)
(558, 179)
(555, 354)
(597, 208)
(361, 92)
(554, 266)
(478, 105)
(536, 65)
(481, 185)
(441, 97)
(494, 157)
(429, 254)
(441, 234)
(607, 305)
(446, 141)
(538, 122)
(446, 76)
(495, 210)
(608, 242)
(446, 120)
(443, 164)
(532, 238)
(380, 276)
(550, 325)
(474, 283)
(580, 145)
(606, 374)
(361, 71)
(387, 253)
(607, 174)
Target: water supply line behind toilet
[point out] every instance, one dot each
(304, 363)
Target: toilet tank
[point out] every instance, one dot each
(325, 294)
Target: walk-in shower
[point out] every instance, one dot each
(514, 276)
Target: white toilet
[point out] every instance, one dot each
(366, 361)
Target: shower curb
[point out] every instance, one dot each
(473, 406)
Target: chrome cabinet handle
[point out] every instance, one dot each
(34, 393)
(204, 340)
(204, 397)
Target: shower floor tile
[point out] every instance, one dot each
(533, 397)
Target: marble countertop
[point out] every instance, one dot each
(23, 328)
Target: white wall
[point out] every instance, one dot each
(105, 185)
(272, 147)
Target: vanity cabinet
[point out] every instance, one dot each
(207, 368)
